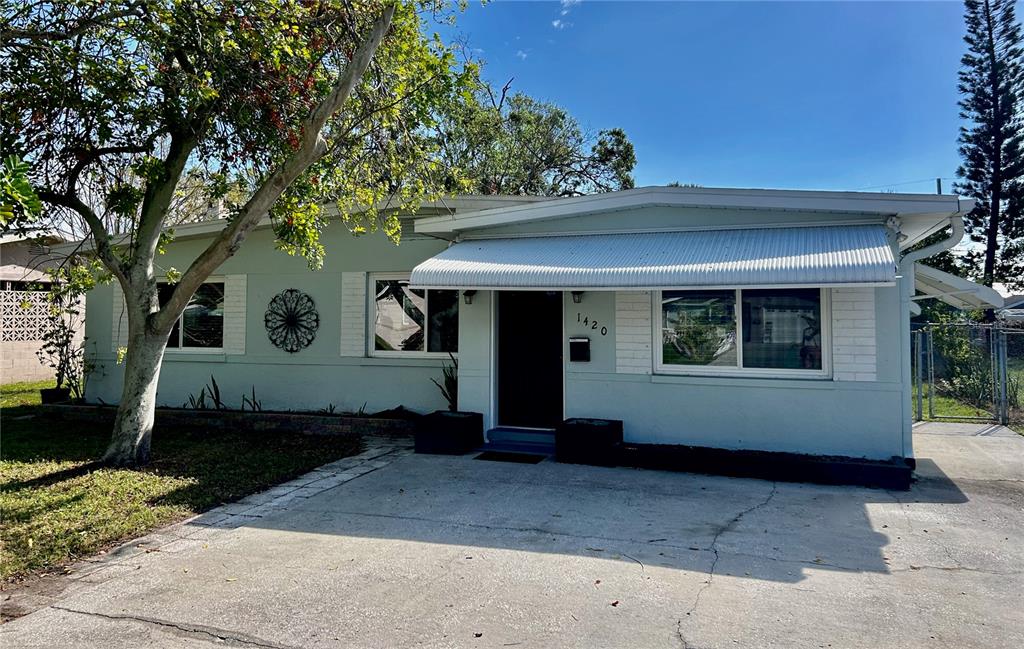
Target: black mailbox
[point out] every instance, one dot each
(579, 349)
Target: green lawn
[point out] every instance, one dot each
(947, 406)
(57, 505)
(22, 394)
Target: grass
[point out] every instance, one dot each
(57, 505)
(22, 394)
(947, 406)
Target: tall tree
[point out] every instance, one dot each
(297, 102)
(513, 144)
(992, 172)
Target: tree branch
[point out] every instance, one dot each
(311, 147)
(100, 236)
(158, 197)
(74, 30)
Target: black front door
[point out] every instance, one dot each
(529, 358)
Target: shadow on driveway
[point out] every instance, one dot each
(653, 518)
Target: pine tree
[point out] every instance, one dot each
(992, 172)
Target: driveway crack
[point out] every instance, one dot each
(714, 546)
(230, 638)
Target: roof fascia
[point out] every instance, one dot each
(744, 199)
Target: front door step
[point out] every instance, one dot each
(520, 440)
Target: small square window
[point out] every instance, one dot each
(698, 328)
(201, 325)
(414, 320)
(782, 329)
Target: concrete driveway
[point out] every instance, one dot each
(395, 550)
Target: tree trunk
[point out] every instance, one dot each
(992, 232)
(133, 427)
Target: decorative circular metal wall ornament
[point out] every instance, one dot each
(291, 320)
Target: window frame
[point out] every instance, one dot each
(371, 321)
(657, 348)
(181, 349)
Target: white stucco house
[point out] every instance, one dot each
(727, 318)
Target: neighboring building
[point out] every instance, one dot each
(1013, 310)
(24, 282)
(741, 319)
(24, 259)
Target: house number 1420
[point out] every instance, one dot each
(592, 324)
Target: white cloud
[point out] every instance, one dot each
(567, 6)
(521, 54)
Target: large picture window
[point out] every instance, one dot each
(201, 325)
(766, 331)
(410, 320)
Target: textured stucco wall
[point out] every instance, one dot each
(311, 379)
(855, 412)
(857, 416)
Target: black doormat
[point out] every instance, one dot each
(502, 456)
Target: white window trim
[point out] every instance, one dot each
(181, 349)
(739, 371)
(371, 310)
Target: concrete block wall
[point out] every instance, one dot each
(633, 332)
(854, 347)
(18, 362)
(25, 318)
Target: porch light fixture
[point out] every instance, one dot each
(577, 297)
(467, 296)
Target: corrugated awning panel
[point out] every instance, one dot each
(955, 291)
(852, 254)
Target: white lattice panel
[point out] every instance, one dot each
(22, 315)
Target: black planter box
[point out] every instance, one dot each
(54, 395)
(589, 441)
(449, 433)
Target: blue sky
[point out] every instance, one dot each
(807, 95)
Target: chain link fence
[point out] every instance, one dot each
(968, 372)
(1014, 345)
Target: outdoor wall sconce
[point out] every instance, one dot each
(467, 296)
(577, 297)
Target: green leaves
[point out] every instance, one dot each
(495, 143)
(19, 203)
(99, 110)
(991, 142)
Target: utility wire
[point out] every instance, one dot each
(907, 182)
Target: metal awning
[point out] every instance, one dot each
(955, 291)
(793, 256)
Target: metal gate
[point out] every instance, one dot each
(968, 372)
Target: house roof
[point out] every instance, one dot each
(16, 273)
(955, 291)
(805, 256)
(43, 236)
(920, 214)
(448, 205)
(1013, 301)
